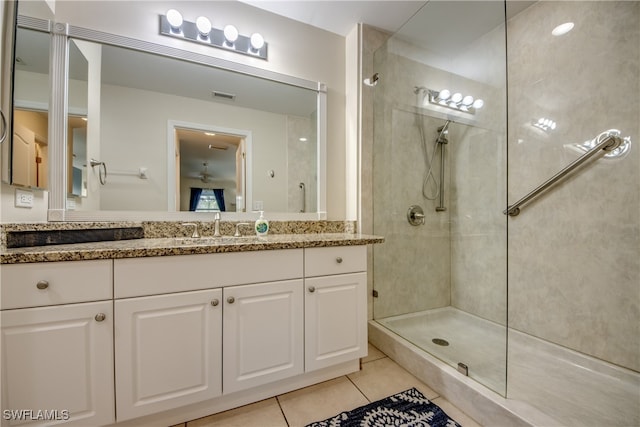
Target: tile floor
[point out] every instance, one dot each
(378, 378)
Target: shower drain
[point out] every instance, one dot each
(440, 341)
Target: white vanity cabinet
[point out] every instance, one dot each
(263, 334)
(335, 305)
(167, 351)
(169, 347)
(57, 357)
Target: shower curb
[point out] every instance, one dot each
(483, 405)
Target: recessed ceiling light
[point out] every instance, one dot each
(562, 29)
(210, 134)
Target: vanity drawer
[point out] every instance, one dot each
(334, 260)
(52, 283)
(161, 275)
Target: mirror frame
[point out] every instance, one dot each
(61, 33)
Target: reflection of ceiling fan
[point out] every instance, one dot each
(204, 175)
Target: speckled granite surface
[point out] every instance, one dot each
(180, 246)
(61, 232)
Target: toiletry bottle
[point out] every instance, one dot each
(262, 225)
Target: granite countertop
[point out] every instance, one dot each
(180, 246)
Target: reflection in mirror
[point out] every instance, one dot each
(29, 160)
(140, 94)
(211, 170)
(77, 120)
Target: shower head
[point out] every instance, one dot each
(442, 133)
(418, 89)
(444, 128)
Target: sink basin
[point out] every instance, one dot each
(224, 240)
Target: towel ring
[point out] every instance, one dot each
(102, 171)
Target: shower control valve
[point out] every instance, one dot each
(415, 215)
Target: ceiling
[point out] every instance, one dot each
(341, 17)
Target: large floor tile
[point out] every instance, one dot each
(320, 401)
(373, 354)
(384, 377)
(463, 419)
(265, 413)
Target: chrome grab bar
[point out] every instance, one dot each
(606, 141)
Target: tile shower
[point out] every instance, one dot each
(544, 307)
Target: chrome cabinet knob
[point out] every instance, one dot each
(100, 317)
(231, 300)
(312, 289)
(215, 302)
(42, 284)
(339, 260)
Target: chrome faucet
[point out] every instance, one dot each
(237, 233)
(216, 225)
(196, 232)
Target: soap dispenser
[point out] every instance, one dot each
(262, 225)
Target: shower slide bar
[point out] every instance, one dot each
(606, 141)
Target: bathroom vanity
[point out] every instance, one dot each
(178, 329)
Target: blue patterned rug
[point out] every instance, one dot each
(407, 409)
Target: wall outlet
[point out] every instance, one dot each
(258, 205)
(24, 198)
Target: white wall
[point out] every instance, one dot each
(127, 145)
(294, 48)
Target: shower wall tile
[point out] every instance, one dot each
(574, 273)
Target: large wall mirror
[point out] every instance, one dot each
(156, 129)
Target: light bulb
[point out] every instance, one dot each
(257, 41)
(553, 125)
(230, 34)
(444, 94)
(478, 103)
(204, 26)
(456, 97)
(562, 29)
(467, 100)
(175, 19)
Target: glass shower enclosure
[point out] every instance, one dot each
(439, 186)
(543, 306)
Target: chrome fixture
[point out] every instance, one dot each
(441, 141)
(455, 101)
(303, 190)
(544, 124)
(196, 232)
(201, 31)
(102, 170)
(237, 233)
(373, 80)
(605, 142)
(216, 225)
(617, 152)
(463, 369)
(4, 127)
(415, 215)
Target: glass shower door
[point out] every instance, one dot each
(439, 186)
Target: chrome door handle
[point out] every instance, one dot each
(42, 284)
(231, 300)
(100, 317)
(215, 302)
(339, 260)
(312, 289)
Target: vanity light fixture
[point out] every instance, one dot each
(201, 31)
(456, 101)
(544, 124)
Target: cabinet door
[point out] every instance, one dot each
(58, 359)
(263, 334)
(167, 351)
(335, 319)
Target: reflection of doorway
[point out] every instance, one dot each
(207, 158)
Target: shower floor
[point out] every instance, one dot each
(477, 343)
(572, 388)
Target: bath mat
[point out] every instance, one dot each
(407, 409)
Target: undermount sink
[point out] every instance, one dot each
(224, 240)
